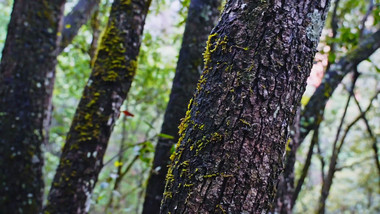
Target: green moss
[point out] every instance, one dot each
(211, 175)
(110, 60)
(221, 208)
(125, 2)
(245, 122)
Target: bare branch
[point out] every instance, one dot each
(80, 14)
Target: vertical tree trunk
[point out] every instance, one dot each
(202, 17)
(232, 140)
(99, 108)
(26, 83)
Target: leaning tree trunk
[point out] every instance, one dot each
(99, 108)
(26, 74)
(202, 17)
(232, 140)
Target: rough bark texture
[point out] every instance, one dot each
(80, 14)
(26, 83)
(285, 188)
(99, 108)
(202, 17)
(315, 107)
(232, 140)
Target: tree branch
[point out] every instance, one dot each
(331, 80)
(80, 14)
(370, 132)
(306, 167)
(328, 180)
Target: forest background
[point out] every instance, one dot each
(130, 152)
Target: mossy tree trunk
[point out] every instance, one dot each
(26, 83)
(232, 140)
(99, 108)
(202, 17)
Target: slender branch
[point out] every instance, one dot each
(334, 20)
(327, 181)
(125, 149)
(333, 161)
(80, 14)
(322, 161)
(95, 28)
(332, 79)
(120, 158)
(334, 28)
(362, 114)
(364, 20)
(370, 132)
(120, 177)
(306, 167)
(353, 164)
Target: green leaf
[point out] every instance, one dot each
(166, 136)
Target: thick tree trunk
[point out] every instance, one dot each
(99, 108)
(232, 140)
(26, 83)
(202, 17)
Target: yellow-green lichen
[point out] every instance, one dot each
(110, 60)
(245, 122)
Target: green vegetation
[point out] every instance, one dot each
(356, 186)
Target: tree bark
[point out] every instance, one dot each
(285, 187)
(232, 140)
(99, 108)
(26, 83)
(202, 17)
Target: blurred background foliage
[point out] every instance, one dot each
(356, 186)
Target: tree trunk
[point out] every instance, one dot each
(99, 108)
(232, 140)
(285, 187)
(202, 17)
(26, 83)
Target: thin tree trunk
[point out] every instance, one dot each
(202, 17)
(232, 140)
(26, 83)
(99, 108)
